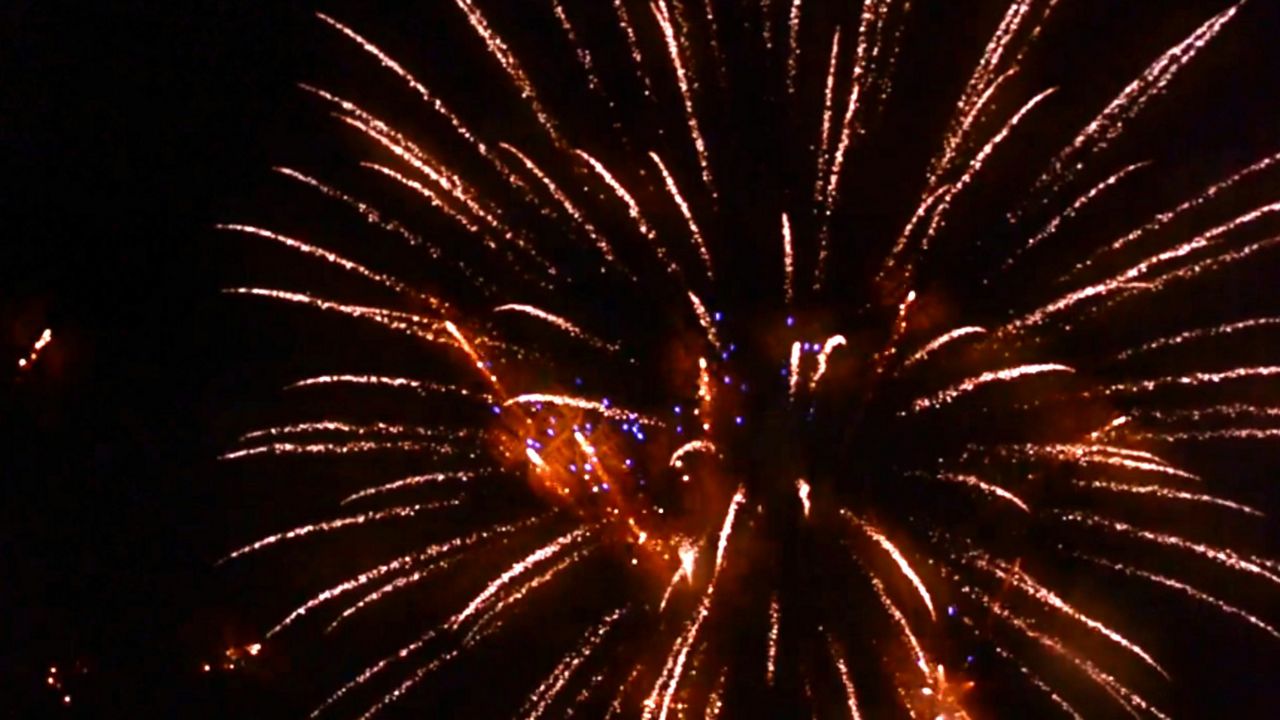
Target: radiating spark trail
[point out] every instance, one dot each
(348, 428)
(1089, 454)
(833, 342)
(582, 404)
(669, 680)
(574, 212)
(1168, 494)
(45, 338)
(556, 320)
(850, 694)
(794, 375)
(1076, 207)
(802, 491)
(490, 622)
(344, 448)
(1187, 590)
(331, 525)
(941, 340)
(546, 693)
(793, 45)
(1108, 125)
(403, 562)
(704, 319)
(1031, 587)
(408, 684)
(1027, 673)
(414, 481)
(921, 661)
(545, 552)
(1221, 556)
(469, 350)
(986, 487)
(686, 92)
(898, 558)
(624, 21)
(633, 208)
(788, 260)
(705, 446)
(1194, 379)
(1197, 334)
(967, 386)
(385, 381)
(335, 259)
(511, 65)
(1221, 434)
(772, 658)
(1164, 218)
(584, 55)
(1230, 411)
(694, 232)
(824, 141)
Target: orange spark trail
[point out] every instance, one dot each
(704, 318)
(584, 55)
(545, 552)
(582, 404)
(941, 340)
(898, 559)
(633, 208)
(833, 342)
(794, 376)
(985, 487)
(45, 338)
(1221, 556)
(511, 65)
(384, 381)
(793, 45)
(601, 242)
(802, 491)
(1198, 334)
(1107, 126)
(1186, 589)
(556, 320)
(546, 693)
(1031, 587)
(825, 139)
(480, 365)
(691, 446)
(686, 92)
(1194, 379)
(772, 657)
(851, 697)
(408, 323)
(414, 481)
(330, 525)
(1167, 493)
(624, 21)
(694, 232)
(1006, 375)
(788, 260)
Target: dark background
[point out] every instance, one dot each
(127, 130)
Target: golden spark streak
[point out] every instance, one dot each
(1197, 334)
(898, 558)
(349, 428)
(545, 552)
(828, 347)
(386, 381)
(1195, 379)
(793, 45)
(704, 318)
(1168, 494)
(967, 386)
(344, 448)
(601, 242)
(1089, 454)
(705, 446)
(985, 487)
(1186, 589)
(1031, 587)
(633, 208)
(672, 672)
(633, 45)
(686, 92)
(788, 260)
(772, 657)
(922, 662)
(45, 338)
(825, 138)
(851, 696)
(556, 320)
(414, 481)
(1108, 125)
(1221, 556)
(581, 404)
(942, 340)
(408, 323)
(471, 353)
(794, 377)
(584, 55)
(1164, 218)
(694, 232)
(1222, 434)
(511, 65)
(802, 490)
(546, 693)
(331, 525)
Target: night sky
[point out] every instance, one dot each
(129, 129)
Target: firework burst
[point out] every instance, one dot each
(722, 441)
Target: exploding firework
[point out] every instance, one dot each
(709, 437)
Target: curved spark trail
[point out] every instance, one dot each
(710, 392)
